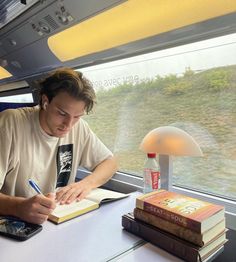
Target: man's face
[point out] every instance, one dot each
(61, 114)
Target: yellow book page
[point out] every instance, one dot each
(66, 212)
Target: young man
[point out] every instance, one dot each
(47, 143)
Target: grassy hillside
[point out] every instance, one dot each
(202, 104)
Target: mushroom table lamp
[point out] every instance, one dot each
(169, 141)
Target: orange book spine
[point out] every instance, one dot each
(173, 217)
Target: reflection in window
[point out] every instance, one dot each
(192, 87)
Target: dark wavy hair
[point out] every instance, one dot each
(71, 82)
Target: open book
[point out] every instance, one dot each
(93, 200)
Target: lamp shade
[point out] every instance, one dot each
(169, 140)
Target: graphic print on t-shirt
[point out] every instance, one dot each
(64, 164)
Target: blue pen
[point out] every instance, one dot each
(35, 186)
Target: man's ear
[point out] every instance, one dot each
(44, 102)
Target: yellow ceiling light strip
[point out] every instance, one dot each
(133, 20)
(4, 73)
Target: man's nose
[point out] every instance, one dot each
(68, 121)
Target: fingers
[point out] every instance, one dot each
(51, 196)
(76, 191)
(36, 218)
(68, 194)
(68, 198)
(42, 205)
(82, 195)
(47, 201)
(36, 209)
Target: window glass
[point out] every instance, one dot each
(192, 87)
(23, 98)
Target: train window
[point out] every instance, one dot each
(191, 87)
(22, 98)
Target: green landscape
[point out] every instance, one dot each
(203, 104)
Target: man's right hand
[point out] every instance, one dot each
(36, 209)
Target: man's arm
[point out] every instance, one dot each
(101, 174)
(34, 210)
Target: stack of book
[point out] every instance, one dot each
(189, 228)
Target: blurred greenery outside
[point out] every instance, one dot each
(203, 104)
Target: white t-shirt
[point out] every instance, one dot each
(26, 151)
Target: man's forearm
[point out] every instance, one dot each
(103, 172)
(9, 205)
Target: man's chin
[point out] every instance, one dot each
(60, 133)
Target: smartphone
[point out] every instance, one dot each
(15, 228)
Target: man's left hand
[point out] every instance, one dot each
(75, 191)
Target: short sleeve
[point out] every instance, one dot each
(94, 151)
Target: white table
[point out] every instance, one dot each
(95, 236)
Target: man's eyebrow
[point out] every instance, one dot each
(62, 110)
(80, 114)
